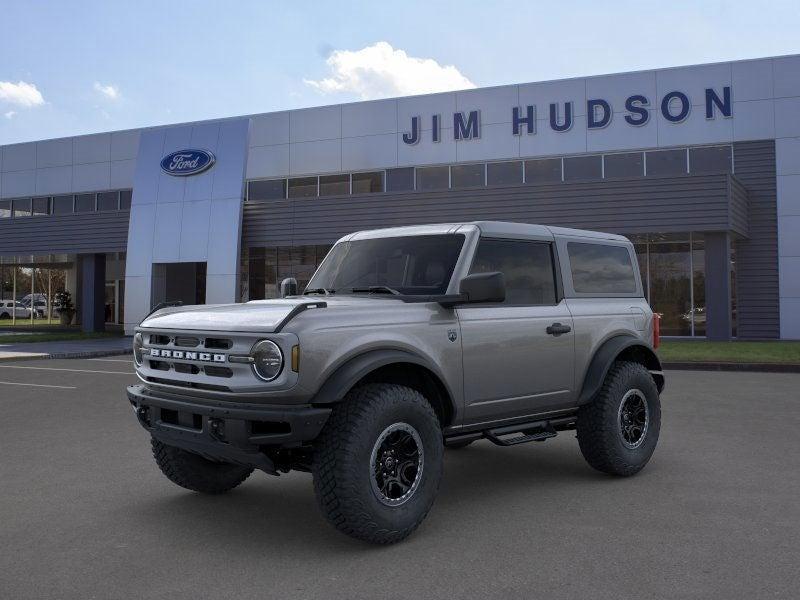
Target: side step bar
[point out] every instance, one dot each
(532, 431)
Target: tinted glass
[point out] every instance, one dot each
(108, 201)
(125, 199)
(84, 202)
(303, 187)
(666, 162)
(367, 183)
(601, 269)
(433, 178)
(5, 209)
(22, 207)
(577, 168)
(272, 189)
(713, 159)
(630, 164)
(400, 180)
(334, 185)
(543, 171)
(417, 265)
(504, 173)
(62, 205)
(41, 206)
(526, 266)
(468, 175)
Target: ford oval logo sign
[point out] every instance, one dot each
(187, 162)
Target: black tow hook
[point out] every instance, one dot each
(216, 427)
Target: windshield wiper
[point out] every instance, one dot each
(324, 291)
(375, 289)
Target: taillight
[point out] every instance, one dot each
(656, 330)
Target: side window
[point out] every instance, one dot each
(526, 266)
(601, 269)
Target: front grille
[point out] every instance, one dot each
(218, 344)
(191, 359)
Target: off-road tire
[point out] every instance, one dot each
(598, 426)
(342, 462)
(193, 472)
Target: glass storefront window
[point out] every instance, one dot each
(85, 203)
(125, 197)
(400, 180)
(628, 164)
(468, 175)
(581, 168)
(433, 178)
(662, 163)
(673, 268)
(108, 201)
(270, 189)
(547, 170)
(267, 267)
(5, 209)
(504, 173)
(334, 185)
(367, 183)
(22, 207)
(710, 159)
(303, 187)
(41, 206)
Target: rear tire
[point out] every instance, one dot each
(618, 430)
(378, 463)
(193, 472)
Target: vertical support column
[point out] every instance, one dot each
(718, 286)
(93, 287)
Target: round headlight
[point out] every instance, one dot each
(268, 360)
(138, 342)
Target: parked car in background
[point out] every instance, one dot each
(40, 304)
(13, 308)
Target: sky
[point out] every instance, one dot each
(85, 66)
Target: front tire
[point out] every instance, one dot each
(618, 430)
(193, 472)
(378, 463)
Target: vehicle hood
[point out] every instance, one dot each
(262, 316)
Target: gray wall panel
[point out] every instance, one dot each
(76, 233)
(699, 203)
(757, 257)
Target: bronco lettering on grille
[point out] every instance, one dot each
(182, 354)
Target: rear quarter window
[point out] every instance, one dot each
(601, 269)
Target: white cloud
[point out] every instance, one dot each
(109, 91)
(10, 114)
(20, 93)
(380, 71)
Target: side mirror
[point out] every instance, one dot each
(483, 287)
(289, 287)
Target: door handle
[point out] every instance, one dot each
(557, 329)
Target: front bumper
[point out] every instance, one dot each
(237, 433)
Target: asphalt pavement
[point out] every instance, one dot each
(85, 513)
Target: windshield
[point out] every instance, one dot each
(409, 265)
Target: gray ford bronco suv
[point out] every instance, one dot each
(405, 342)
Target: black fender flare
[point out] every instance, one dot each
(605, 356)
(353, 370)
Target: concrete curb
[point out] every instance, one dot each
(725, 366)
(57, 355)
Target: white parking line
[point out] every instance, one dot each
(61, 387)
(70, 370)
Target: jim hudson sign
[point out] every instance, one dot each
(674, 106)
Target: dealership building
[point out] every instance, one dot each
(699, 166)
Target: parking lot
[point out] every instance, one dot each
(85, 513)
